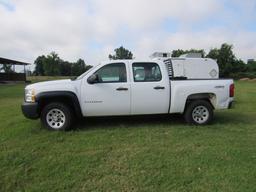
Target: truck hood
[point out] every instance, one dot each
(48, 83)
(58, 85)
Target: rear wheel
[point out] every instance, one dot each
(199, 112)
(56, 116)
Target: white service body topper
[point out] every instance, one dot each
(190, 66)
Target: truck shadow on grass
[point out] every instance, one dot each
(129, 121)
(234, 118)
(157, 120)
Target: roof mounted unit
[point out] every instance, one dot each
(160, 55)
(191, 55)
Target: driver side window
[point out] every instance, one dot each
(112, 73)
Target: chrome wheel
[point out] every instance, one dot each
(200, 114)
(55, 118)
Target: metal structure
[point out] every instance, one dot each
(13, 76)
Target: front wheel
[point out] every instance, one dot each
(199, 112)
(56, 116)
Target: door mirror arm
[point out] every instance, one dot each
(94, 78)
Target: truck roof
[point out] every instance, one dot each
(153, 60)
(130, 60)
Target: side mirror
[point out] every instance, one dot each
(94, 78)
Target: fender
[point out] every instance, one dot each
(71, 96)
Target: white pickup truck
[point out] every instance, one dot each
(128, 87)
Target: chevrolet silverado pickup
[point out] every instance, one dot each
(130, 87)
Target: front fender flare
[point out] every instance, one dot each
(71, 96)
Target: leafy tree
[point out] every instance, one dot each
(79, 67)
(239, 66)
(251, 66)
(179, 52)
(39, 62)
(228, 63)
(121, 53)
(87, 67)
(65, 68)
(214, 53)
(6, 68)
(52, 64)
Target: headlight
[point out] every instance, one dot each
(30, 95)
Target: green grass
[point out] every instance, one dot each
(130, 154)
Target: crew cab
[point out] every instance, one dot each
(130, 87)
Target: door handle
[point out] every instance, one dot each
(159, 87)
(122, 89)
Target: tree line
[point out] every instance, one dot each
(53, 65)
(230, 66)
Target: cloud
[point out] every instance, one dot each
(91, 29)
(37, 27)
(144, 13)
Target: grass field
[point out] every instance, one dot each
(130, 154)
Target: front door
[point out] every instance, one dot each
(110, 95)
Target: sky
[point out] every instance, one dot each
(92, 29)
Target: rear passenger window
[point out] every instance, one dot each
(146, 72)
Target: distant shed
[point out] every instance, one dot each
(12, 76)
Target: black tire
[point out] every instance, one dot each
(57, 117)
(198, 112)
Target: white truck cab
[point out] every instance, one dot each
(131, 87)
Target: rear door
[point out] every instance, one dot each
(150, 90)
